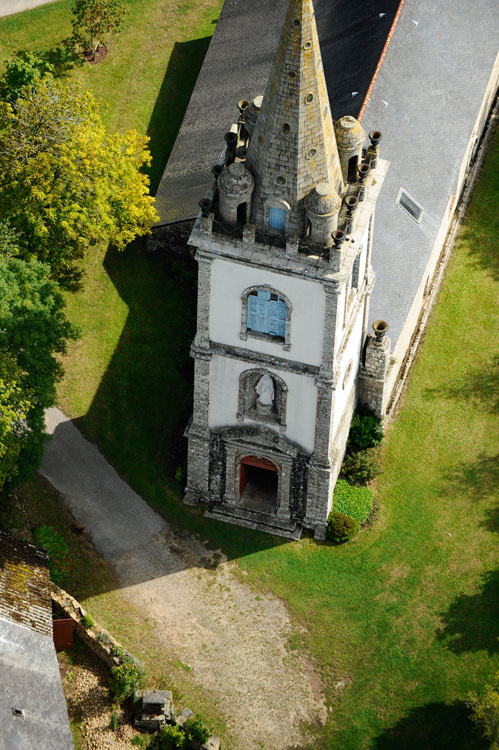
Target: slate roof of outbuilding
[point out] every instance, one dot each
(30, 679)
(433, 80)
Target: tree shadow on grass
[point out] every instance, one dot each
(436, 726)
(63, 57)
(480, 386)
(470, 623)
(479, 479)
(480, 230)
(180, 77)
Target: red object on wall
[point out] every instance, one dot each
(261, 463)
(63, 633)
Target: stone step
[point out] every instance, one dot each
(252, 519)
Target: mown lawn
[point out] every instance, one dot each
(402, 619)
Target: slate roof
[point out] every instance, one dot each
(433, 79)
(30, 678)
(237, 65)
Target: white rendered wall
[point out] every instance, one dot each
(300, 407)
(352, 353)
(229, 281)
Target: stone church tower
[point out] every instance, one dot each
(283, 245)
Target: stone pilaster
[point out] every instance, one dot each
(332, 291)
(198, 461)
(319, 466)
(372, 375)
(203, 317)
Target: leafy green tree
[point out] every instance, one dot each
(24, 69)
(33, 329)
(93, 20)
(14, 408)
(485, 712)
(65, 182)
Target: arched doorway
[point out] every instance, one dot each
(258, 485)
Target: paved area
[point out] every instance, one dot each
(9, 7)
(235, 642)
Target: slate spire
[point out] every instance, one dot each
(293, 146)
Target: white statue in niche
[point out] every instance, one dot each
(265, 390)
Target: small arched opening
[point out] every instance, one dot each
(242, 213)
(352, 168)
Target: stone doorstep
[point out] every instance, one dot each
(253, 520)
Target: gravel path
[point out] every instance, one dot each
(234, 641)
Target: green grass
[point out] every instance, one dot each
(401, 619)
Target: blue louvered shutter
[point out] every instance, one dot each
(258, 311)
(277, 318)
(277, 219)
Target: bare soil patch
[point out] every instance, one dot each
(232, 640)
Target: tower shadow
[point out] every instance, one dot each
(435, 726)
(180, 77)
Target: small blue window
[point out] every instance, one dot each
(277, 219)
(266, 313)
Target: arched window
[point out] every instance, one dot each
(262, 397)
(266, 313)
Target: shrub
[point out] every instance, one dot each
(485, 712)
(341, 528)
(356, 502)
(87, 622)
(115, 721)
(127, 678)
(365, 432)
(170, 738)
(196, 730)
(359, 468)
(53, 543)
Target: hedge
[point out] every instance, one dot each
(356, 502)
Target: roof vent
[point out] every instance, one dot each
(410, 206)
(18, 712)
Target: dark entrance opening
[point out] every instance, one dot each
(259, 484)
(241, 213)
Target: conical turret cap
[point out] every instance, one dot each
(293, 145)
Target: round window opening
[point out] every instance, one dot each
(307, 45)
(347, 373)
(286, 128)
(280, 180)
(296, 23)
(311, 153)
(309, 98)
(292, 74)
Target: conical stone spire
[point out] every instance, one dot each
(293, 146)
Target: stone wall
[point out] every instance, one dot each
(96, 638)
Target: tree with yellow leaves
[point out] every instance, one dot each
(66, 183)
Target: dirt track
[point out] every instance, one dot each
(235, 642)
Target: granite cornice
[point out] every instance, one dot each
(262, 360)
